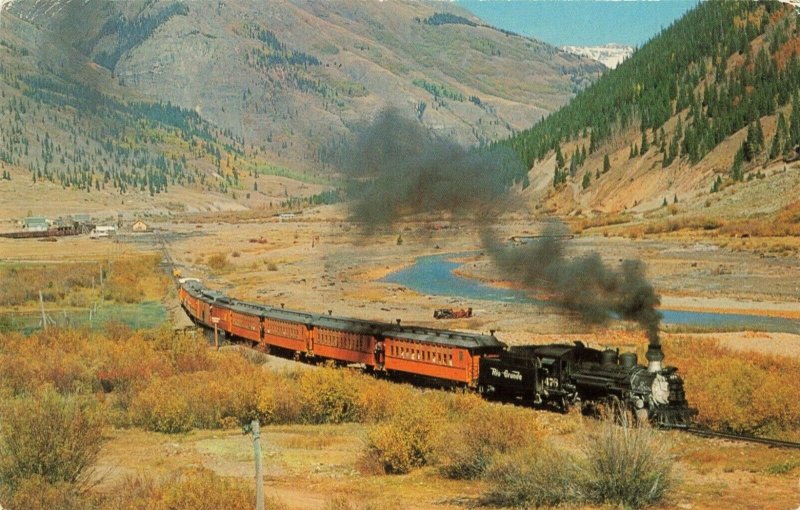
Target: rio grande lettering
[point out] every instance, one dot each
(505, 374)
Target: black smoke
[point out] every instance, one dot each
(398, 168)
(584, 285)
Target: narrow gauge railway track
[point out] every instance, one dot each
(703, 432)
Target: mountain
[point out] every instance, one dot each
(292, 78)
(705, 115)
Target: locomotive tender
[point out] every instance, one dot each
(557, 375)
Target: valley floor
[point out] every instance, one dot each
(318, 261)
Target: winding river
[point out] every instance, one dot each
(434, 275)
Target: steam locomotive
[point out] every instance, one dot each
(555, 375)
(561, 376)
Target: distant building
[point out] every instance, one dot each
(103, 231)
(286, 216)
(82, 218)
(140, 226)
(35, 224)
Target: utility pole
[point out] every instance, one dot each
(255, 428)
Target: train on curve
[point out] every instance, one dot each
(556, 375)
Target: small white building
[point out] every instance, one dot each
(103, 231)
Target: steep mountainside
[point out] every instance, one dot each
(293, 77)
(706, 115)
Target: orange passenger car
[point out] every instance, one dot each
(346, 340)
(288, 330)
(447, 355)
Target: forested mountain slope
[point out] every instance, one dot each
(711, 102)
(292, 77)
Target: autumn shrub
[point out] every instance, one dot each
(484, 432)
(58, 357)
(328, 396)
(20, 284)
(184, 352)
(194, 489)
(738, 391)
(534, 477)
(36, 493)
(48, 435)
(163, 407)
(218, 262)
(409, 439)
(379, 400)
(626, 465)
(129, 279)
(202, 489)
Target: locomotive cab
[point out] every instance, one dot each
(535, 374)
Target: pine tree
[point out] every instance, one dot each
(645, 143)
(587, 179)
(606, 163)
(573, 165)
(737, 171)
(559, 158)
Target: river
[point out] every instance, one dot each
(434, 275)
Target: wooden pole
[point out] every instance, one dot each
(256, 429)
(44, 316)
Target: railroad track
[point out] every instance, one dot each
(774, 443)
(167, 256)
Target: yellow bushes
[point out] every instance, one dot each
(409, 438)
(328, 396)
(21, 283)
(48, 437)
(482, 433)
(195, 489)
(741, 392)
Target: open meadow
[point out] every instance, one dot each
(167, 409)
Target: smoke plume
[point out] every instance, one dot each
(399, 168)
(584, 285)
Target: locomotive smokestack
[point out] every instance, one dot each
(654, 355)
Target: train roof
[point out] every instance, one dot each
(359, 326)
(281, 314)
(549, 350)
(446, 337)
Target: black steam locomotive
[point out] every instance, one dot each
(562, 376)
